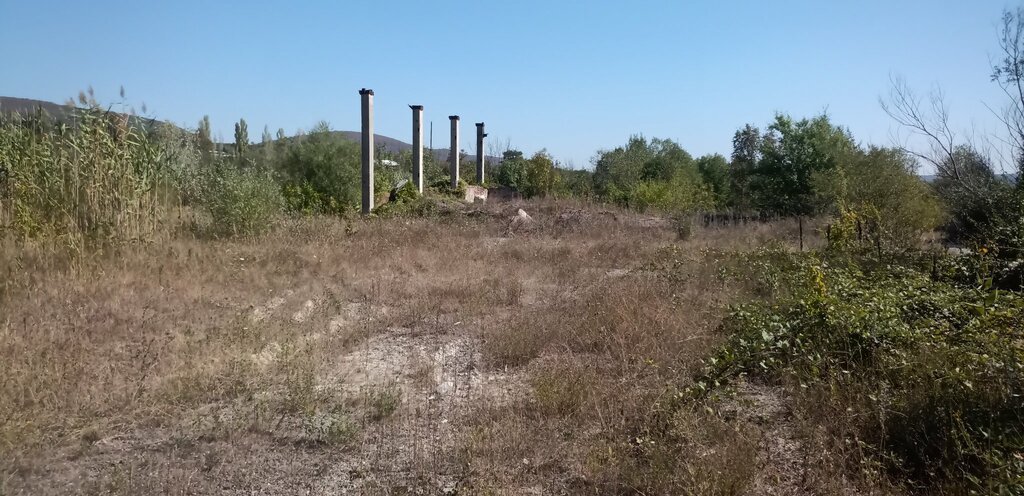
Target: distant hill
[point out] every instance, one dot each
(27, 106)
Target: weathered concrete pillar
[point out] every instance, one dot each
(367, 142)
(480, 157)
(453, 157)
(417, 146)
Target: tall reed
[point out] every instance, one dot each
(89, 180)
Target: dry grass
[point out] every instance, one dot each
(377, 356)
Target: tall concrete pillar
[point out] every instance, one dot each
(453, 157)
(480, 157)
(367, 142)
(417, 146)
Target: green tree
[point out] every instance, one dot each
(714, 171)
(575, 182)
(204, 139)
(880, 187)
(746, 153)
(617, 171)
(541, 176)
(512, 171)
(650, 174)
(241, 139)
(266, 138)
(791, 154)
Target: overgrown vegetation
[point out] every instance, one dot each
(89, 183)
(603, 343)
(923, 377)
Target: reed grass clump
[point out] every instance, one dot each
(92, 180)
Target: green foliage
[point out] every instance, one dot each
(240, 201)
(651, 175)
(792, 153)
(405, 193)
(880, 188)
(321, 173)
(575, 183)
(241, 139)
(334, 426)
(933, 371)
(512, 171)
(536, 176)
(984, 209)
(714, 171)
(383, 401)
(746, 153)
(677, 195)
(204, 139)
(390, 169)
(541, 175)
(404, 200)
(99, 179)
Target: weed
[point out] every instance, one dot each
(381, 402)
(331, 427)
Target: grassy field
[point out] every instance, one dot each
(460, 353)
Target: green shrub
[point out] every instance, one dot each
(405, 193)
(444, 187)
(879, 188)
(335, 426)
(241, 202)
(321, 173)
(940, 366)
(382, 401)
(406, 201)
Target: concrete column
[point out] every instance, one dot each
(367, 142)
(480, 157)
(417, 146)
(453, 157)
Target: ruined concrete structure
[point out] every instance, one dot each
(417, 146)
(367, 149)
(480, 157)
(453, 155)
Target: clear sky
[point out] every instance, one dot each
(569, 76)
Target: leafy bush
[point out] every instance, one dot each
(321, 173)
(656, 174)
(880, 188)
(536, 176)
(677, 195)
(240, 201)
(405, 200)
(940, 366)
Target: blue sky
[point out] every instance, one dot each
(570, 76)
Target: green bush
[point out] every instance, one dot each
(536, 176)
(879, 188)
(321, 173)
(940, 366)
(240, 201)
(406, 201)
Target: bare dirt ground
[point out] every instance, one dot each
(464, 354)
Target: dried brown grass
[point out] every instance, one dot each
(374, 355)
